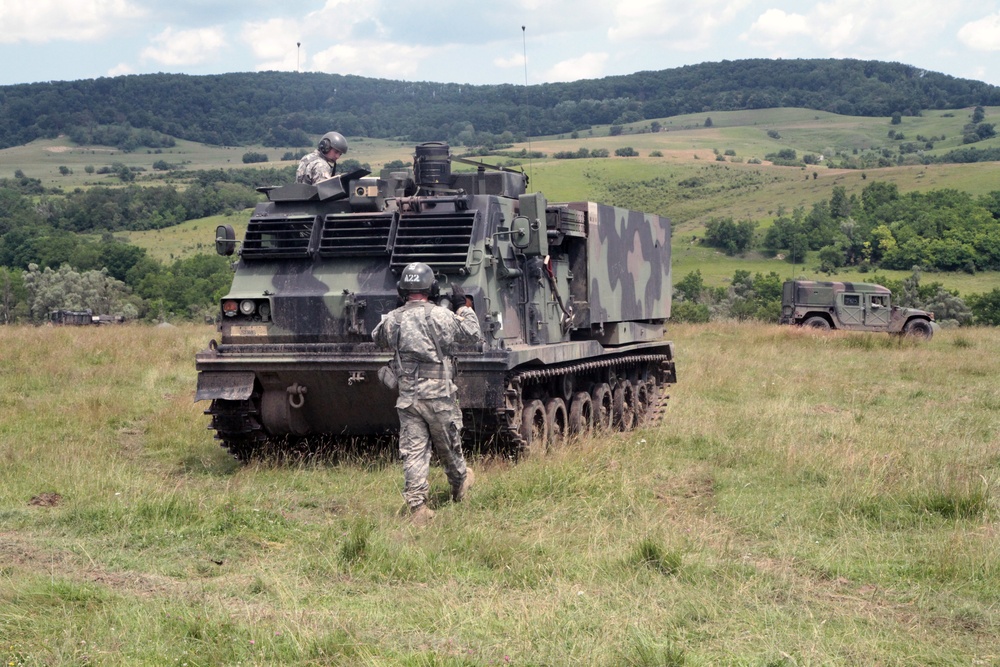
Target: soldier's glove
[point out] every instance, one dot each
(459, 297)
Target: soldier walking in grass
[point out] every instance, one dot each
(423, 336)
(321, 164)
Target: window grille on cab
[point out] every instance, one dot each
(444, 242)
(278, 237)
(355, 235)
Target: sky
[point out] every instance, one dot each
(483, 41)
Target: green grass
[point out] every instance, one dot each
(807, 499)
(188, 238)
(42, 158)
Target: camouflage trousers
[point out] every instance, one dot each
(427, 423)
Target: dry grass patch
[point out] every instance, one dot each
(806, 499)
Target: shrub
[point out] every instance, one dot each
(251, 157)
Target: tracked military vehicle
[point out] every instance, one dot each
(572, 299)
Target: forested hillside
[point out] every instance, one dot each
(285, 108)
(65, 244)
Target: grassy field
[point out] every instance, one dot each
(808, 499)
(42, 158)
(193, 237)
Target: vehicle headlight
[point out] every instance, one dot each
(247, 306)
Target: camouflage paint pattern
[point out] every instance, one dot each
(551, 283)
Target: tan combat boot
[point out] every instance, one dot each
(421, 515)
(458, 494)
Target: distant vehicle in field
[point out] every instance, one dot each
(852, 307)
(71, 317)
(81, 318)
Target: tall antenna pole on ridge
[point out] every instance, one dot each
(527, 107)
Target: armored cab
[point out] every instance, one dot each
(850, 306)
(572, 299)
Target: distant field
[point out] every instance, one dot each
(730, 188)
(42, 158)
(189, 238)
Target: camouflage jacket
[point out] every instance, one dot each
(411, 330)
(314, 168)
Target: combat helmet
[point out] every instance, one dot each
(417, 277)
(333, 140)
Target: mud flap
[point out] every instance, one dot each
(230, 386)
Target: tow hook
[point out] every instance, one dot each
(296, 395)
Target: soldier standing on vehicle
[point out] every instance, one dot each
(321, 164)
(423, 335)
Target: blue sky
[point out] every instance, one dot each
(481, 41)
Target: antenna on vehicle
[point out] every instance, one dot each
(527, 107)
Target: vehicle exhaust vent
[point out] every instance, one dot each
(285, 237)
(444, 242)
(355, 235)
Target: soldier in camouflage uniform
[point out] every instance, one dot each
(423, 335)
(321, 164)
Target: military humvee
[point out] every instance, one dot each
(850, 306)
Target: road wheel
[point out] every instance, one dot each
(817, 322)
(555, 415)
(919, 329)
(534, 428)
(600, 396)
(581, 414)
(623, 406)
(642, 401)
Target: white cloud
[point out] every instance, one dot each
(56, 20)
(692, 23)
(853, 28)
(516, 60)
(185, 47)
(775, 25)
(120, 69)
(275, 44)
(982, 35)
(374, 59)
(587, 66)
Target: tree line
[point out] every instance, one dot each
(942, 230)
(58, 249)
(286, 108)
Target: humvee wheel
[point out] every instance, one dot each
(581, 414)
(601, 402)
(817, 322)
(919, 329)
(555, 415)
(534, 428)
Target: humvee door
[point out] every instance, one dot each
(851, 309)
